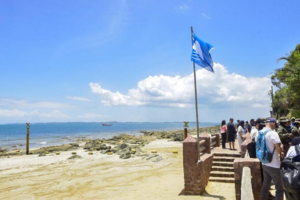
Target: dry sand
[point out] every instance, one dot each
(101, 176)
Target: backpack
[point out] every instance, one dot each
(262, 151)
(251, 147)
(290, 175)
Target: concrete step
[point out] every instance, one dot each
(223, 164)
(222, 174)
(236, 155)
(223, 159)
(221, 179)
(222, 168)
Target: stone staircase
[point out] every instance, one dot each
(222, 167)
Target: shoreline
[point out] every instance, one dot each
(21, 148)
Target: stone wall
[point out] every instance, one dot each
(196, 172)
(256, 182)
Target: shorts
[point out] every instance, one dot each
(231, 137)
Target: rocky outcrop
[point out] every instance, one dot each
(179, 135)
(74, 157)
(65, 147)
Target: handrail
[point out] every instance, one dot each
(246, 187)
(201, 142)
(213, 143)
(202, 149)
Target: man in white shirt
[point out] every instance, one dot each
(271, 171)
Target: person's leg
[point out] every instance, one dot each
(266, 183)
(223, 139)
(275, 173)
(240, 143)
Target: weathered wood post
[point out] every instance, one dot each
(185, 129)
(27, 138)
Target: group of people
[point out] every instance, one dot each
(281, 138)
(229, 132)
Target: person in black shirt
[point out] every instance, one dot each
(231, 133)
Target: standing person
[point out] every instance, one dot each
(249, 126)
(295, 129)
(245, 127)
(240, 133)
(238, 123)
(255, 128)
(231, 133)
(271, 171)
(223, 129)
(252, 123)
(284, 134)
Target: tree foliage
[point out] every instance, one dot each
(287, 80)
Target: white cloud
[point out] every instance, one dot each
(53, 114)
(204, 15)
(78, 98)
(12, 113)
(34, 105)
(184, 7)
(35, 113)
(218, 89)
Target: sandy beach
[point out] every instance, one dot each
(101, 176)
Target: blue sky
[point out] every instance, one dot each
(130, 60)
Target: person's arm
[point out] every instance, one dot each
(278, 148)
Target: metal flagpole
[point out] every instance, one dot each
(196, 102)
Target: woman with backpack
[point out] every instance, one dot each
(240, 133)
(223, 129)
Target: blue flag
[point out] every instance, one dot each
(201, 54)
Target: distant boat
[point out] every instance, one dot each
(105, 124)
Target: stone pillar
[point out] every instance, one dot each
(217, 139)
(256, 182)
(191, 171)
(196, 174)
(205, 136)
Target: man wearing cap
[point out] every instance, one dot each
(295, 129)
(293, 121)
(271, 171)
(284, 135)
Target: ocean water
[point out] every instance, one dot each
(48, 134)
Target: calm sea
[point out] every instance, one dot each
(48, 134)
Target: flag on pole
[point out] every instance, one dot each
(201, 54)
